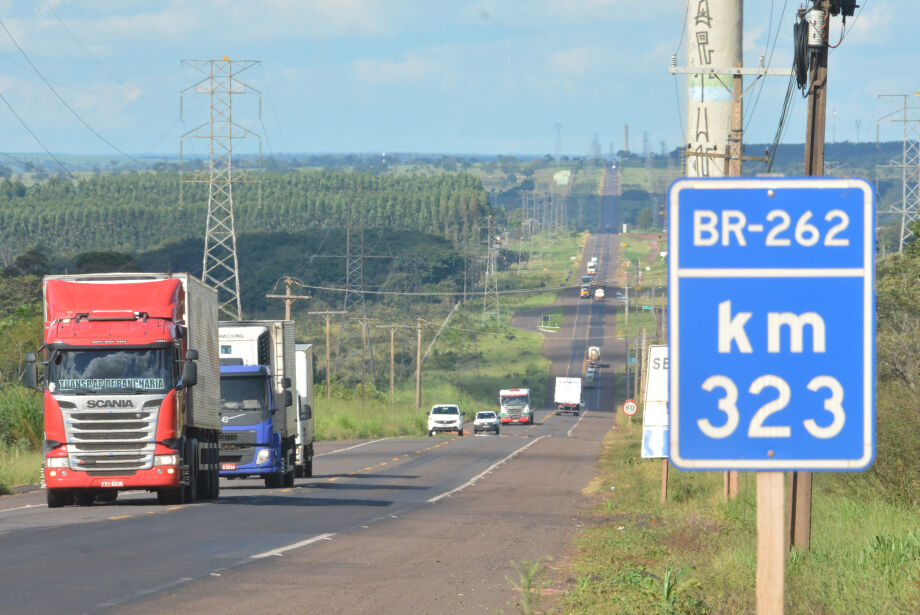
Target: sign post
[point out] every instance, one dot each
(655, 411)
(772, 335)
(630, 407)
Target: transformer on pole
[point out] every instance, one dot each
(220, 267)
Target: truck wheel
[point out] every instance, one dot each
(171, 497)
(308, 469)
(84, 497)
(107, 496)
(430, 433)
(273, 481)
(59, 497)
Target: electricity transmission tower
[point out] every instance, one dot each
(219, 265)
(557, 150)
(908, 207)
(490, 296)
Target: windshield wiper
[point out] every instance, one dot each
(74, 391)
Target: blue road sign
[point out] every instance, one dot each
(772, 324)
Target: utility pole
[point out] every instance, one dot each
(799, 496)
(418, 362)
(490, 307)
(364, 320)
(220, 267)
(287, 297)
(327, 316)
(392, 328)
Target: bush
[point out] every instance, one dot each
(21, 420)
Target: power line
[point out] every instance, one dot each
(34, 136)
(64, 102)
(131, 88)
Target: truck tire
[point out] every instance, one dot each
(59, 497)
(460, 432)
(308, 468)
(171, 497)
(273, 481)
(84, 497)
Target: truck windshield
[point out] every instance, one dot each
(88, 372)
(515, 402)
(243, 393)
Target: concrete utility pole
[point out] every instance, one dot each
(327, 316)
(219, 265)
(287, 297)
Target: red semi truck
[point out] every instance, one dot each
(131, 384)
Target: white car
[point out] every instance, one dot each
(599, 294)
(445, 417)
(487, 420)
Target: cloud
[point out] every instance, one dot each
(412, 69)
(576, 61)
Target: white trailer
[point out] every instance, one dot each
(567, 396)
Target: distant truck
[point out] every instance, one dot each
(303, 366)
(567, 396)
(259, 419)
(592, 363)
(515, 406)
(131, 387)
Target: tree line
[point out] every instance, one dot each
(139, 211)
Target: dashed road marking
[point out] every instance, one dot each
(303, 543)
(348, 448)
(484, 472)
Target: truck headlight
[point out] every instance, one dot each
(56, 462)
(166, 460)
(263, 456)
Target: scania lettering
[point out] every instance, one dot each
(131, 387)
(515, 406)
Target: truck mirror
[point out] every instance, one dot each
(189, 374)
(305, 412)
(31, 376)
(191, 354)
(288, 398)
(286, 383)
(31, 357)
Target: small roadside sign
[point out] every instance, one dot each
(630, 407)
(655, 416)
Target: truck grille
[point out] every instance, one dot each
(247, 437)
(118, 440)
(515, 414)
(242, 454)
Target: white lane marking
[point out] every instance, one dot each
(21, 507)
(484, 472)
(348, 448)
(569, 434)
(296, 545)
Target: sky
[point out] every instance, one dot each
(423, 76)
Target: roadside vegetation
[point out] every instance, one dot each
(696, 553)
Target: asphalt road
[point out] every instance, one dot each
(402, 525)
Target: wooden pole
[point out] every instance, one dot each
(800, 488)
(392, 365)
(771, 551)
(327, 316)
(287, 297)
(418, 363)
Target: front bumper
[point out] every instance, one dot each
(444, 427)
(157, 477)
(523, 420)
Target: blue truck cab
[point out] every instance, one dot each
(259, 420)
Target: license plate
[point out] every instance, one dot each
(228, 466)
(112, 483)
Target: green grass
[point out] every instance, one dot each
(865, 544)
(468, 365)
(18, 466)
(551, 319)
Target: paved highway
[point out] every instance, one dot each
(407, 525)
